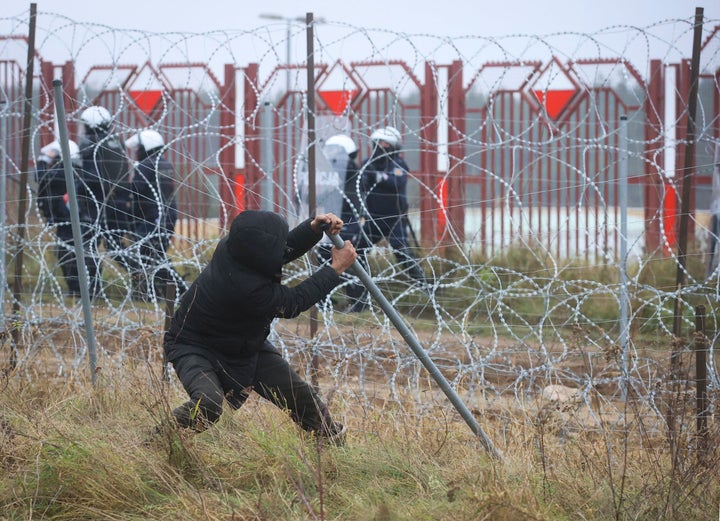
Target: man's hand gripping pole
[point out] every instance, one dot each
(420, 353)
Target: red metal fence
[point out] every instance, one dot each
(527, 148)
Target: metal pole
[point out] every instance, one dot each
(288, 121)
(420, 353)
(624, 299)
(288, 54)
(688, 167)
(311, 114)
(75, 223)
(315, 362)
(701, 394)
(24, 165)
(687, 178)
(267, 157)
(170, 292)
(3, 207)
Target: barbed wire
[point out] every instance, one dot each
(524, 291)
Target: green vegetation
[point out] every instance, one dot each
(71, 452)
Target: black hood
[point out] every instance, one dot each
(257, 240)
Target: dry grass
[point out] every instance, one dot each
(71, 451)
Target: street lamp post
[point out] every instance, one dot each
(289, 20)
(289, 130)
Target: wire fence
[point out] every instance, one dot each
(517, 149)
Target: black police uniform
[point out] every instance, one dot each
(384, 185)
(104, 196)
(154, 216)
(53, 205)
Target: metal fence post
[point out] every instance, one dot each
(702, 413)
(623, 294)
(420, 353)
(75, 223)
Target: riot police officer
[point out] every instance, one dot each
(105, 193)
(384, 178)
(154, 213)
(52, 201)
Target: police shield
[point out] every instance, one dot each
(329, 182)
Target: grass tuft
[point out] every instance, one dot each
(74, 452)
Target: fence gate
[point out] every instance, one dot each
(541, 153)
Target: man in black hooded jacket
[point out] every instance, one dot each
(217, 339)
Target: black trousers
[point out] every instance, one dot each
(65, 254)
(394, 229)
(152, 270)
(208, 383)
(713, 247)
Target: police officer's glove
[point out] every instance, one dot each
(380, 177)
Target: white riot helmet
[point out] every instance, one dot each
(147, 139)
(53, 151)
(96, 118)
(74, 151)
(343, 141)
(390, 135)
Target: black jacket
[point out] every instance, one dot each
(106, 174)
(227, 312)
(386, 197)
(153, 189)
(51, 192)
(352, 207)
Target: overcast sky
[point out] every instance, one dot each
(498, 30)
(440, 17)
